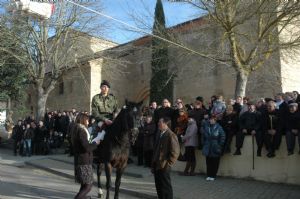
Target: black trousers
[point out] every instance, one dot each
(229, 136)
(148, 157)
(163, 184)
(16, 142)
(272, 141)
(140, 155)
(240, 136)
(38, 148)
(212, 166)
(291, 140)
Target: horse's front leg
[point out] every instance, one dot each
(108, 171)
(100, 191)
(119, 174)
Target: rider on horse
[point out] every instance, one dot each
(104, 107)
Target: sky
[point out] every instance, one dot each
(139, 13)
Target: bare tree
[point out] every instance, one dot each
(51, 46)
(247, 36)
(252, 31)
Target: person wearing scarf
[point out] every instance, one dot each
(83, 155)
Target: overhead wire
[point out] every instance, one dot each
(145, 32)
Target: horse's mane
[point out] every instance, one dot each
(119, 126)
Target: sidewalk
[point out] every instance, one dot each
(139, 182)
(185, 187)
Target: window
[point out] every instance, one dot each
(71, 86)
(61, 88)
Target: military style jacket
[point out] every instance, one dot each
(104, 107)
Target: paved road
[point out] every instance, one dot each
(30, 183)
(27, 182)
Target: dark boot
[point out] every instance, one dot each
(259, 152)
(193, 166)
(237, 152)
(187, 168)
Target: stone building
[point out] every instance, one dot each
(197, 75)
(128, 68)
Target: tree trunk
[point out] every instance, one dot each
(41, 104)
(241, 83)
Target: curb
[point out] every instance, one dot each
(130, 174)
(122, 190)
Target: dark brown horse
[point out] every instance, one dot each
(113, 151)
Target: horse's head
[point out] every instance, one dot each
(125, 121)
(133, 118)
(133, 110)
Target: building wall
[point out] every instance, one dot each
(290, 59)
(195, 75)
(76, 92)
(96, 76)
(128, 71)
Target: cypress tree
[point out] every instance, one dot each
(161, 84)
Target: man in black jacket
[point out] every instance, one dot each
(198, 113)
(237, 106)
(292, 126)
(162, 112)
(40, 139)
(249, 123)
(272, 128)
(28, 137)
(17, 136)
(230, 125)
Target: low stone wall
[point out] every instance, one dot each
(280, 169)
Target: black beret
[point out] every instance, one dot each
(105, 83)
(199, 98)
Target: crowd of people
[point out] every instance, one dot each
(208, 128)
(212, 127)
(43, 137)
(166, 133)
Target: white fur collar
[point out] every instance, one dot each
(86, 131)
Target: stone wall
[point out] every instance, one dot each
(280, 169)
(76, 91)
(195, 75)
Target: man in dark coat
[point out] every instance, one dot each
(237, 106)
(198, 113)
(41, 134)
(64, 122)
(164, 111)
(166, 153)
(292, 127)
(49, 122)
(230, 125)
(249, 123)
(58, 127)
(271, 128)
(149, 137)
(28, 137)
(17, 136)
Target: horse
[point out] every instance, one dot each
(113, 151)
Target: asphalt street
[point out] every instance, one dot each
(31, 183)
